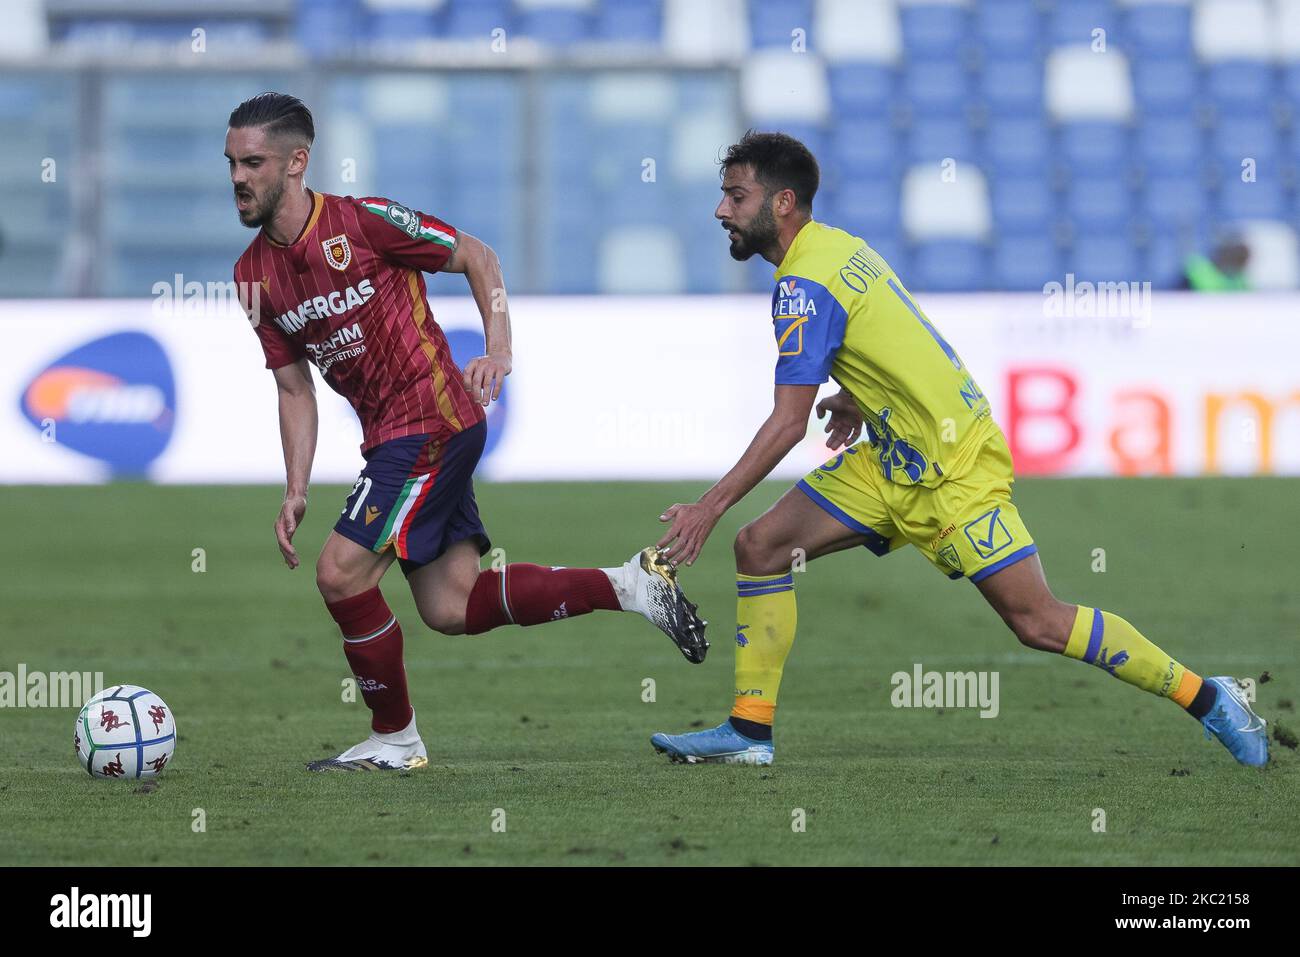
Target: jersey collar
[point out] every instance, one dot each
(317, 204)
(792, 253)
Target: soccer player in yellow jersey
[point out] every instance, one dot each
(932, 470)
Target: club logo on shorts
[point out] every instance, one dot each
(338, 252)
(950, 557)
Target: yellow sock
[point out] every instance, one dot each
(1111, 643)
(765, 624)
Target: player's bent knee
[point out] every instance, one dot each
(1037, 630)
(334, 583)
(444, 620)
(758, 554)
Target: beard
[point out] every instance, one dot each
(258, 214)
(760, 234)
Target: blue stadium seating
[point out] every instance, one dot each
(1240, 88)
(1099, 203)
(558, 26)
(936, 87)
(629, 21)
(934, 31)
(1073, 22)
(1169, 201)
(1095, 147)
(476, 19)
(1009, 28)
(1017, 146)
(1158, 29)
(949, 265)
(1170, 146)
(861, 90)
(771, 21)
(1026, 261)
(1013, 86)
(1023, 205)
(1102, 257)
(866, 147)
(1164, 85)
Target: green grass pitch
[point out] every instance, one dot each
(548, 724)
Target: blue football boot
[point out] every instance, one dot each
(1232, 721)
(720, 745)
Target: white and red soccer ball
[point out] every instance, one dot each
(125, 732)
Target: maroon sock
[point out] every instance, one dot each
(372, 641)
(523, 594)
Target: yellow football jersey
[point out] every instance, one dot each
(840, 311)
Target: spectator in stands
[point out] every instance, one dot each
(1223, 271)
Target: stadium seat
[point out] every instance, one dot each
(935, 31)
(400, 21)
(1236, 138)
(1262, 199)
(1023, 205)
(1157, 30)
(641, 259)
(1225, 30)
(1012, 86)
(1173, 201)
(949, 265)
(934, 140)
(936, 87)
(1026, 261)
(1274, 255)
(861, 90)
(1095, 147)
(555, 22)
(934, 209)
(1105, 258)
(773, 22)
(25, 34)
(1074, 22)
(1082, 85)
(331, 29)
(1286, 33)
(629, 21)
(1240, 87)
(1165, 85)
(1008, 28)
(1170, 146)
(1099, 203)
(476, 19)
(780, 85)
(867, 207)
(856, 31)
(717, 30)
(863, 148)
(1017, 146)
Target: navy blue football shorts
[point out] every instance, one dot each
(416, 496)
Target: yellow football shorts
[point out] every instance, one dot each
(967, 526)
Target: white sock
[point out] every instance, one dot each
(624, 586)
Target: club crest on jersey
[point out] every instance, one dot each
(338, 252)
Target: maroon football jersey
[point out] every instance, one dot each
(348, 294)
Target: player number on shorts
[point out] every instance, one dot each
(363, 481)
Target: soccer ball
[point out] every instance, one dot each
(124, 732)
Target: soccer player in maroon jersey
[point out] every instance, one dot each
(337, 281)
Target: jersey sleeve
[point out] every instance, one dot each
(809, 325)
(277, 347)
(405, 236)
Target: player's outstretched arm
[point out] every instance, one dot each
(298, 422)
(484, 375)
(784, 428)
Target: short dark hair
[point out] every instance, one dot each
(780, 162)
(280, 113)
